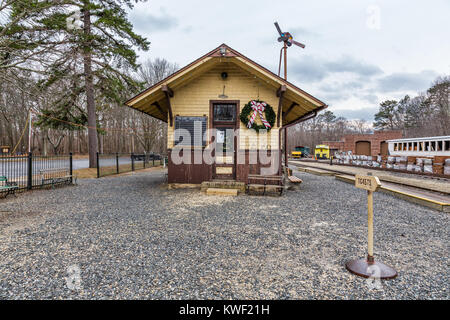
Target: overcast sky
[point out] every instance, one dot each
(358, 53)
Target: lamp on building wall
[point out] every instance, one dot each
(224, 76)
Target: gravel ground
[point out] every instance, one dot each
(129, 237)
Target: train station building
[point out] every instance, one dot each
(229, 110)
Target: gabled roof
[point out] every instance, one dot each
(152, 100)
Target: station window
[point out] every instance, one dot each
(395, 146)
(447, 145)
(427, 146)
(439, 146)
(224, 112)
(415, 146)
(196, 126)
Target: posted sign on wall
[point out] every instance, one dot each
(369, 183)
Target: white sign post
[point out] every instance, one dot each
(369, 267)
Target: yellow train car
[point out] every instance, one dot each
(322, 151)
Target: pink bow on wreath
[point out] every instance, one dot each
(258, 107)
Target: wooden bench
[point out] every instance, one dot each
(294, 179)
(291, 177)
(55, 176)
(263, 183)
(8, 187)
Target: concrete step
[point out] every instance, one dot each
(222, 192)
(223, 184)
(319, 172)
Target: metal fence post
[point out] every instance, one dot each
(71, 167)
(30, 171)
(145, 158)
(132, 161)
(153, 160)
(98, 166)
(117, 162)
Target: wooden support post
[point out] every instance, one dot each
(280, 93)
(169, 93)
(285, 148)
(285, 114)
(370, 224)
(157, 105)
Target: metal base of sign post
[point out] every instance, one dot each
(363, 268)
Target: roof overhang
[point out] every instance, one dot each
(296, 103)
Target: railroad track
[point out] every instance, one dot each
(435, 196)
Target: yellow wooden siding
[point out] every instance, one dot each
(193, 100)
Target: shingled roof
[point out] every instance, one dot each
(151, 100)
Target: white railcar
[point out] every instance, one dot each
(420, 147)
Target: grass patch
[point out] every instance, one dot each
(88, 173)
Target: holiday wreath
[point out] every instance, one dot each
(258, 107)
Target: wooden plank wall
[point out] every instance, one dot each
(197, 173)
(193, 100)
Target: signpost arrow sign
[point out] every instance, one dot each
(366, 267)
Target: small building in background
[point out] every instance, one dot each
(372, 144)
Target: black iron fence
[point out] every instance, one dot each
(30, 171)
(115, 163)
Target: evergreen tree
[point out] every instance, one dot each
(438, 100)
(88, 43)
(386, 117)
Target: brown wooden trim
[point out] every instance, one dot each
(232, 52)
(281, 90)
(217, 124)
(169, 93)
(280, 93)
(285, 114)
(165, 88)
(285, 148)
(150, 115)
(156, 104)
(305, 117)
(211, 112)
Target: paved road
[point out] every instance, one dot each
(19, 168)
(128, 237)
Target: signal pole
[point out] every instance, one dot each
(285, 61)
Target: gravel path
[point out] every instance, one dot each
(128, 237)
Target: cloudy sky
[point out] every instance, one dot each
(358, 53)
